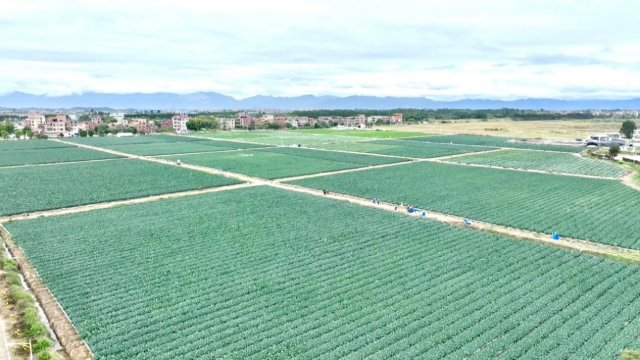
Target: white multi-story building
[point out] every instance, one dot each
(179, 123)
(35, 121)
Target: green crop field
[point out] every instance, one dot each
(29, 144)
(281, 137)
(604, 211)
(125, 140)
(545, 161)
(274, 163)
(40, 188)
(362, 133)
(50, 155)
(262, 273)
(180, 147)
(496, 141)
(404, 148)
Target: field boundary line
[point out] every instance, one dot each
(67, 334)
(110, 204)
(582, 246)
(59, 163)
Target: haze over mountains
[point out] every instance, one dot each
(212, 100)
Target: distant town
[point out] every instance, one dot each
(102, 123)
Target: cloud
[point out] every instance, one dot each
(443, 50)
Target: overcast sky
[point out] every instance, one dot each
(444, 50)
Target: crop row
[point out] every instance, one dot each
(599, 210)
(413, 149)
(51, 155)
(495, 141)
(29, 144)
(63, 185)
(273, 163)
(234, 274)
(545, 161)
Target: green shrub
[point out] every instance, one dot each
(630, 355)
(44, 356)
(18, 294)
(13, 278)
(41, 345)
(33, 326)
(8, 264)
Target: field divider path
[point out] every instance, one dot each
(582, 246)
(590, 247)
(205, 152)
(67, 334)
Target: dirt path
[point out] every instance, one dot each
(207, 152)
(5, 354)
(67, 334)
(106, 205)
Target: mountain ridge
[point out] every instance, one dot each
(213, 100)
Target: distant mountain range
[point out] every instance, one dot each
(212, 100)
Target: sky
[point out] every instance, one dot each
(439, 49)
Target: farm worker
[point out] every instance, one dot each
(374, 200)
(178, 162)
(395, 208)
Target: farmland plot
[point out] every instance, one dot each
(50, 155)
(28, 144)
(125, 140)
(545, 161)
(496, 141)
(282, 137)
(319, 279)
(604, 211)
(276, 163)
(179, 147)
(405, 148)
(59, 186)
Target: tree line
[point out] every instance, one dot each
(412, 115)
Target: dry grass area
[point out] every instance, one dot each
(510, 128)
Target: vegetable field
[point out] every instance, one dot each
(28, 144)
(50, 155)
(405, 148)
(604, 211)
(496, 141)
(180, 147)
(274, 163)
(388, 134)
(57, 186)
(282, 137)
(195, 278)
(545, 161)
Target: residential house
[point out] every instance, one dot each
(227, 123)
(396, 118)
(36, 121)
(56, 125)
(179, 123)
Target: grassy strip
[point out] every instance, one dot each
(29, 326)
